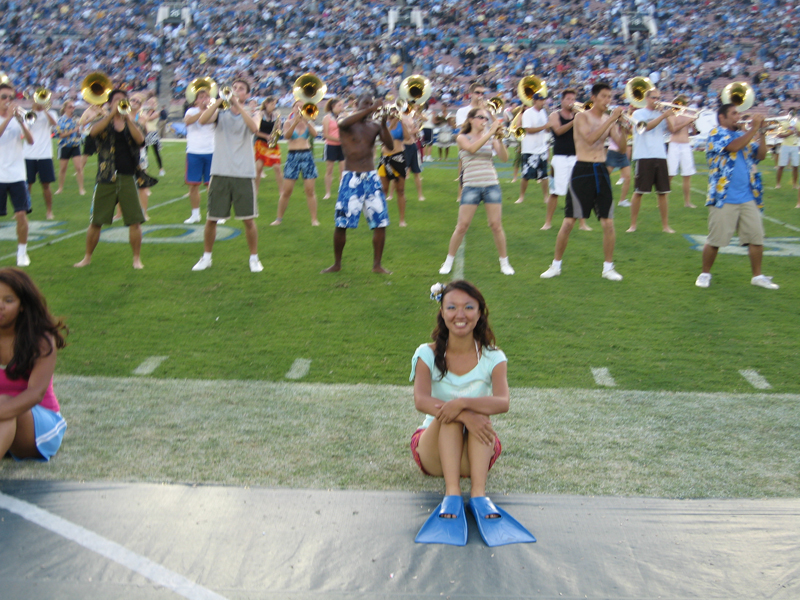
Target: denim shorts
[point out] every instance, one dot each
(474, 195)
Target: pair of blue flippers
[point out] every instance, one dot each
(496, 526)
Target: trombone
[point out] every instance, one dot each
(679, 109)
(311, 90)
(638, 126)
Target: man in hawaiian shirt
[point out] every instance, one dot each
(735, 192)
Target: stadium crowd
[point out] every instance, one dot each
(700, 45)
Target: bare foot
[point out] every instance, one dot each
(277, 222)
(668, 230)
(546, 226)
(82, 192)
(514, 180)
(332, 269)
(630, 229)
(49, 216)
(798, 206)
(585, 227)
(421, 198)
(146, 217)
(690, 205)
(326, 197)
(315, 223)
(380, 269)
(86, 260)
(57, 192)
(137, 263)
(519, 201)
(403, 224)
(388, 198)
(777, 187)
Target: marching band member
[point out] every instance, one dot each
(679, 152)
(39, 155)
(199, 151)
(268, 153)
(69, 147)
(332, 153)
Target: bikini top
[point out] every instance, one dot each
(397, 132)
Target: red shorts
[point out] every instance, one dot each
(269, 156)
(498, 448)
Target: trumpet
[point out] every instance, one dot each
(773, 122)
(311, 90)
(391, 110)
(528, 87)
(201, 84)
(226, 94)
(28, 116)
(636, 91)
(96, 88)
(739, 93)
(124, 107)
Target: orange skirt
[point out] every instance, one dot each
(269, 156)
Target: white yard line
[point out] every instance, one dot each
(779, 222)
(110, 550)
(458, 263)
(149, 365)
(754, 379)
(602, 376)
(299, 368)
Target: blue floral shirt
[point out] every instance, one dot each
(66, 123)
(720, 166)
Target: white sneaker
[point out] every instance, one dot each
(446, 267)
(23, 260)
(161, 173)
(760, 281)
(703, 280)
(256, 266)
(624, 203)
(553, 271)
(202, 264)
(612, 275)
(192, 219)
(506, 268)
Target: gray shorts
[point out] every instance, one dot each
(224, 192)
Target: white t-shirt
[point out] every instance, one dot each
(199, 138)
(651, 143)
(42, 133)
(534, 143)
(12, 164)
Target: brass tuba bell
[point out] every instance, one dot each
(528, 87)
(636, 89)
(95, 88)
(201, 84)
(739, 93)
(310, 90)
(415, 90)
(42, 97)
(495, 105)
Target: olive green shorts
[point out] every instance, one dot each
(238, 192)
(123, 192)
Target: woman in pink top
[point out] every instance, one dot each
(31, 425)
(333, 148)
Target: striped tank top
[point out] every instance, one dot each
(477, 168)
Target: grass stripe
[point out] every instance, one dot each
(110, 550)
(149, 365)
(458, 263)
(754, 379)
(299, 368)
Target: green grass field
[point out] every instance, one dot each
(655, 332)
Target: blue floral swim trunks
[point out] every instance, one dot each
(361, 192)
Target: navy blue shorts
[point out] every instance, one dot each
(411, 153)
(43, 167)
(20, 198)
(333, 153)
(67, 152)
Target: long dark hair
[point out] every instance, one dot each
(467, 126)
(34, 324)
(482, 333)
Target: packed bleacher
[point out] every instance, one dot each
(698, 48)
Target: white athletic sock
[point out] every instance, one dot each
(449, 260)
(503, 260)
(607, 266)
(195, 212)
(253, 257)
(557, 263)
(207, 255)
(22, 248)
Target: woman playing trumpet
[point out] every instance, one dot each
(300, 162)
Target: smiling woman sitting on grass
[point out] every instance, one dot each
(460, 381)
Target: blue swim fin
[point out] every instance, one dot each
(441, 530)
(497, 530)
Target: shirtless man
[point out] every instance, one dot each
(360, 188)
(679, 154)
(590, 185)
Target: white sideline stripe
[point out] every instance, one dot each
(83, 231)
(754, 379)
(110, 550)
(458, 262)
(299, 368)
(149, 365)
(602, 376)
(779, 222)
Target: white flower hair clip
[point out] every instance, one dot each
(436, 291)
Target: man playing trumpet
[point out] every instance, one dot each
(679, 153)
